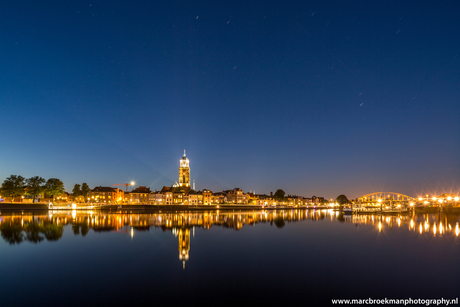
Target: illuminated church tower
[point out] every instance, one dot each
(184, 172)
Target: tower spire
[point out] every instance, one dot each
(184, 152)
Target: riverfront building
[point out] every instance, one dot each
(106, 195)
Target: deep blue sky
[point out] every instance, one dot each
(317, 98)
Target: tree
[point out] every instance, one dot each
(76, 190)
(85, 190)
(35, 186)
(54, 187)
(13, 186)
(279, 194)
(342, 199)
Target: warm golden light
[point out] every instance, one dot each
(457, 230)
(434, 228)
(456, 198)
(420, 198)
(411, 223)
(420, 228)
(380, 226)
(434, 198)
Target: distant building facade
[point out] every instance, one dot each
(106, 195)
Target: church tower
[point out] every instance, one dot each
(184, 172)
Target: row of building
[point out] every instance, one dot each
(177, 196)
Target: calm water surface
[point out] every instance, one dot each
(290, 257)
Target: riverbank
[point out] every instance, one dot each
(144, 208)
(159, 208)
(22, 206)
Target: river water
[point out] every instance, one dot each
(286, 257)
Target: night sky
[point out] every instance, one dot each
(314, 97)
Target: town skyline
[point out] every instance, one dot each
(317, 98)
(185, 183)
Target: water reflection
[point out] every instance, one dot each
(35, 228)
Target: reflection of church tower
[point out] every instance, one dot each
(184, 172)
(184, 245)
